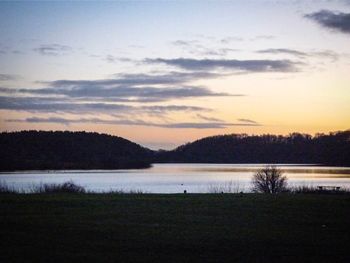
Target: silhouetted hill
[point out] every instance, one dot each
(69, 150)
(331, 149)
(39, 150)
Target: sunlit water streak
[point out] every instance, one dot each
(175, 178)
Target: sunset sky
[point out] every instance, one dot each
(166, 73)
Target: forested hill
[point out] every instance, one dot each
(38, 150)
(330, 149)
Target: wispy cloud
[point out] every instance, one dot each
(122, 93)
(127, 88)
(228, 64)
(176, 125)
(301, 54)
(283, 51)
(114, 59)
(7, 77)
(228, 40)
(125, 95)
(247, 121)
(172, 78)
(45, 104)
(338, 21)
(184, 43)
(53, 49)
(54, 105)
(195, 47)
(206, 118)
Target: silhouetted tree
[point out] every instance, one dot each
(269, 180)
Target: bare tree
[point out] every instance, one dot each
(269, 180)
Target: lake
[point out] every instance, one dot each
(175, 178)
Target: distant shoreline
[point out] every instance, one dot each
(57, 150)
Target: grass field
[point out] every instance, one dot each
(174, 228)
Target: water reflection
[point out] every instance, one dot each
(175, 178)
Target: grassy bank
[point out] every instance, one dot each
(174, 228)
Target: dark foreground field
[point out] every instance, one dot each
(174, 228)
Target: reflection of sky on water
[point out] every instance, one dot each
(175, 178)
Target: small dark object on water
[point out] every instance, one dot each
(185, 191)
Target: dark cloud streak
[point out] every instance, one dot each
(139, 79)
(338, 21)
(53, 49)
(228, 64)
(124, 93)
(54, 105)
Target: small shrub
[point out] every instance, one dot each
(304, 189)
(6, 189)
(269, 180)
(315, 190)
(227, 187)
(66, 187)
(121, 191)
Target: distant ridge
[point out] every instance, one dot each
(324, 149)
(43, 150)
(40, 150)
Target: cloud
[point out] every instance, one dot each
(138, 79)
(194, 47)
(247, 121)
(184, 43)
(228, 40)
(228, 64)
(126, 88)
(35, 104)
(179, 125)
(55, 105)
(338, 21)
(301, 54)
(114, 59)
(113, 96)
(326, 54)
(283, 51)
(123, 93)
(206, 118)
(53, 49)
(213, 52)
(7, 77)
(168, 108)
(111, 59)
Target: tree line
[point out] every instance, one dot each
(326, 149)
(39, 150)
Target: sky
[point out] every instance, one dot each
(164, 73)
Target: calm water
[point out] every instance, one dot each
(175, 178)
